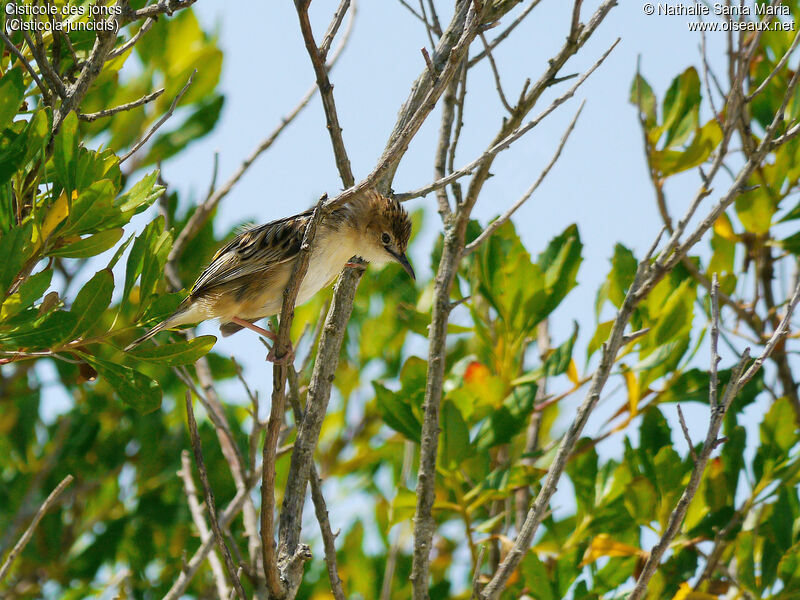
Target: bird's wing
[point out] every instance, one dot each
(256, 250)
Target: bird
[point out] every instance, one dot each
(245, 280)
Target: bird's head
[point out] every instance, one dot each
(386, 232)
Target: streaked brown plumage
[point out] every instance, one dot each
(245, 280)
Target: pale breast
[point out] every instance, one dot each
(331, 252)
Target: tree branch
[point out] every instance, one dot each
(277, 581)
(196, 510)
(26, 537)
(122, 107)
(209, 496)
(161, 121)
(494, 225)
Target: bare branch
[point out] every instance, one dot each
(781, 63)
(495, 73)
(189, 571)
(161, 121)
(713, 379)
(26, 537)
(209, 496)
(335, 23)
(122, 107)
(507, 140)
(503, 34)
(686, 435)
(494, 225)
(328, 538)
(196, 510)
(326, 94)
(148, 23)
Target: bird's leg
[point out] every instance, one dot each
(286, 358)
(253, 327)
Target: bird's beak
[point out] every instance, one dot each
(403, 260)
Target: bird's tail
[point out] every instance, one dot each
(183, 315)
(160, 327)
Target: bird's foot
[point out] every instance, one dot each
(287, 358)
(355, 265)
(252, 327)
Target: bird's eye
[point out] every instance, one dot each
(385, 238)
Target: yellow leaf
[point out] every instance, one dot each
(634, 392)
(686, 593)
(604, 545)
(572, 372)
(57, 213)
(724, 228)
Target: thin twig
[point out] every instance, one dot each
(161, 121)
(209, 497)
(494, 225)
(191, 568)
(148, 23)
(122, 107)
(26, 537)
(495, 73)
(686, 436)
(713, 379)
(506, 141)
(781, 63)
(503, 34)
(326, 94)
(196, 510)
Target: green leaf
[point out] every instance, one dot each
(508, 420)
(93, 209)
(397, 412)
(680, 108)
(599, 338)
(141, 195)
(179, 353)
(642, 97)
(556, 362)
(28, 293)
(755, 209)
(455, 445)
(706, 139)
(120, 251)
(536, 578)
(12, 90)
(65, 151)
(135, 261)
(43, 333)
(155, 258)
(92, 300)
(89, 246)
(789, 568)
(14, 249)
(132, 387)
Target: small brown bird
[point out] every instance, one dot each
(245, 280)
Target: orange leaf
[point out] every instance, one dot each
(604, 545)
